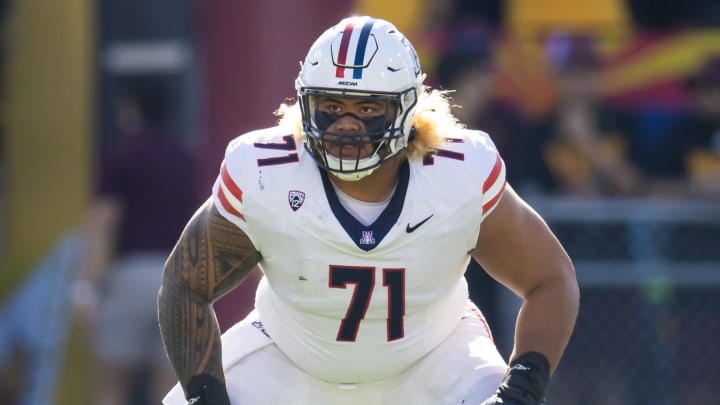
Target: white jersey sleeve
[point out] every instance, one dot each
(239, 188)
(492, 170)
(471, 159)
(228, 197)
(227, 193)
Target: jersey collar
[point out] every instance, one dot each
(367, 237)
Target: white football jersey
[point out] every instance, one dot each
(353, 303)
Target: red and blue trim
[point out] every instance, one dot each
(359, 58)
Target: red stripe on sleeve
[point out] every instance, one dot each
(492, 178)
(488, 205)
(226, 204)
(229, 183)
(475, 311)
(342, 56)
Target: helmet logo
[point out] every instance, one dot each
(354, 49)
(415, 58)
(296, 199)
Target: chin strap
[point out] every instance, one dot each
(353, 176)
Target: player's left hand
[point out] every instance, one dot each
(524, 382)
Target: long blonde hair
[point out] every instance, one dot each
(433, 121)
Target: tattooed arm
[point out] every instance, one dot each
(211, 257)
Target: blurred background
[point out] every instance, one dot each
(607, 113)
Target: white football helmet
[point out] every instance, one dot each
(360, 57)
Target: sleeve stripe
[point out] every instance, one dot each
(227, 205)
(494, 174)
(494, 186)
(229, 183)
(488, 206)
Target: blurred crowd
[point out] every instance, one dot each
(584, 141)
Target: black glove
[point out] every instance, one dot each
(205, 389)
(524, 382)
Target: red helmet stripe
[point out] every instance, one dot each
(342, 56)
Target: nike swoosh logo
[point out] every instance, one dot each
(409, 228)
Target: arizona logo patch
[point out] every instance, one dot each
(296, 199)
(367, 238)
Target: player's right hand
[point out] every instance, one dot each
(205, 389)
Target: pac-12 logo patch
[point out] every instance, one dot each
(296, 199)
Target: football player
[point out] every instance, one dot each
(363, 208)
